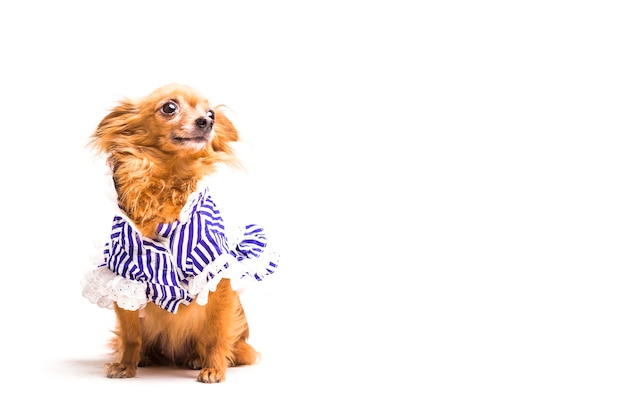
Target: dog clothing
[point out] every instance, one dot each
(186, 261)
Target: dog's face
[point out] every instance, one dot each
(173, 120)
(159, 146)
(181, 119)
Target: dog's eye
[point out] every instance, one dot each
(210, 114)
(169, 108)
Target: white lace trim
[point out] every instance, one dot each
(240, 273)
(103, 287)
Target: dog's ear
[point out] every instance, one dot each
(119, 123)
(225, 132)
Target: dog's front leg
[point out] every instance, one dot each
(128, 344)
(215, 347)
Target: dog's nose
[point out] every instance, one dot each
(204, 123)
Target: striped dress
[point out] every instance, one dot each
(186, 261)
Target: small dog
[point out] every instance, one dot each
(169, 270)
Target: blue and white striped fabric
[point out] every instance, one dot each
(186, 261)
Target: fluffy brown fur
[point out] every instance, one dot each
(158, 148)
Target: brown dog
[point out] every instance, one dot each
(159, 148)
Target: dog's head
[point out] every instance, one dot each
(159, 146)
(174, 122)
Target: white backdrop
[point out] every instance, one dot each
(445, 182)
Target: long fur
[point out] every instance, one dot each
(154, 172)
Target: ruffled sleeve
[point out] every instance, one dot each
(103, 287)
(135, 270)
(206, 255)
(250, 247)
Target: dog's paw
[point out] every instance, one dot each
(211, 375)
(194, 363)
(120, 370)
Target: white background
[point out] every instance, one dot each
(445, 181)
